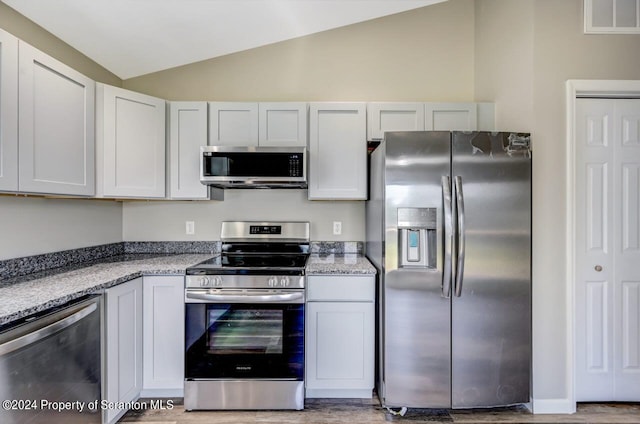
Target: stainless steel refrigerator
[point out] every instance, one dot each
(449, 229)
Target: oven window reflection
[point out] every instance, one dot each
(244, 331)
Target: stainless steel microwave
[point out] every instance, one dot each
(253, 167)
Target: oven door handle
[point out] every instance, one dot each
(297, 297)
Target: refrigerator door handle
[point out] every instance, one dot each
(461, 236)
(448, 236)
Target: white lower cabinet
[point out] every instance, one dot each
(123, 335)
(163, 336)
(340, 340)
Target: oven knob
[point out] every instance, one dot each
(284, 282)
(273, 282)
(204, 281)
(217, 281)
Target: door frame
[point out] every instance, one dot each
(575, 88)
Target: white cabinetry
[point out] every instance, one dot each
(340, 336)
(282, 124)
(389, 116)
(131, 144)
(123, 333)
(233, 124)
(187, 132)
(163, 323)
(8, 112)
(56, 126)
(279, 124)
(338, 151)
(392, 116)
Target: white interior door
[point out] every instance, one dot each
(607, 249)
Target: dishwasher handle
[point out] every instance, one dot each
(47, 330)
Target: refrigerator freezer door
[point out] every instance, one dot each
(415, 316)
(491, 320)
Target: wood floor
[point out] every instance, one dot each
(364, 411)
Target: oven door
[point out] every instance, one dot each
(241, 334)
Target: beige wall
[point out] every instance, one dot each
(425, 54)
(533, 47)
(30, 226)
(16, 24)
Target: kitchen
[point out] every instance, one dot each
(367, 62)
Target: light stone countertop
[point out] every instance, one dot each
(346, 264)
(31, 294)
(38, 292)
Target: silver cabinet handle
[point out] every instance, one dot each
(47, 330)
(461, 236)
(297, 297)
(448, 236)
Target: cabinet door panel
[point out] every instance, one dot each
(338, 150)
(8, 112)
(451, 116)
(187, 132)
(389, 116)
(233, 124)
(282, 124)
(56, 117)
(131, 144)
(123, 345)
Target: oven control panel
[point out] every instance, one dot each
(265, 229)
(245, 281)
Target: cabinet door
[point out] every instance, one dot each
(389, 116)
(338, 151)
(450, 116)
(233, 124)
(56, 126)
(187, 132)
(131, 143)
(282, 124)
(8, 112)
(340, 346)
(123, 345)
(163, 323)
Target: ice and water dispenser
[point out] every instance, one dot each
(417, 237)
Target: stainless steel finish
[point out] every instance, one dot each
(243, 394)
(240, 230)
(491, 322)
(598, 268)
(438, 350)
(244, 296)
(460, 232)
(60, 323)
(415, 320)
(245, 281)
(55, 357)
(448, 236)
(255, 182)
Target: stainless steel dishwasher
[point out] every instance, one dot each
(50, 366)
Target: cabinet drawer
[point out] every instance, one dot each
(341, 288)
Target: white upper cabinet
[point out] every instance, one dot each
(56, 126)
(131, 144)
(8, 112)
(388, 116)
(187, 130)
(338, 151)
(451, 116)
(233, 124)
(282, 124)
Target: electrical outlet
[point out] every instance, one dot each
(337, 228)
(190, 227)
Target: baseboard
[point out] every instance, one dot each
(553, 406)
(162, 393)
(338, 393)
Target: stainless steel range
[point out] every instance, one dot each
(244, 338)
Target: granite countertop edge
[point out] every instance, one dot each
(30, 295)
